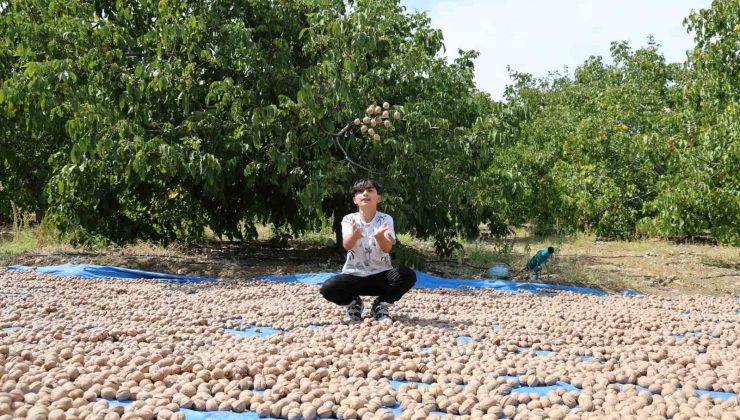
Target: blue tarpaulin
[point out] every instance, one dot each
(423, 280)
(89, 271)
(544, 389)
(253, 331)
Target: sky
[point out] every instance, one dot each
(539, 36)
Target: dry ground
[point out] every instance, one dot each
(648, 266)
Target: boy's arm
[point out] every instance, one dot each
(384, 243)
(385, 236)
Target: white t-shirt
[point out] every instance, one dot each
(366, 258)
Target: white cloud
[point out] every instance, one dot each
(538, 36)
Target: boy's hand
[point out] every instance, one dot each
(380, 232)
(349, 241)
(356, 232)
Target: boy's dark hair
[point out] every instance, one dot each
(550, 249)
(364, 183)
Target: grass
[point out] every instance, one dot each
(488, 253)
(19, 242)
(149, 249)
(721, 262)
(572, 272)
(315, 239)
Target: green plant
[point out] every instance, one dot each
(407, 256)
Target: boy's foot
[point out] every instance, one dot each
(379, 311)
(354, 311)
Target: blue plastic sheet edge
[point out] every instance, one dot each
(89, 271)
(423, 280)
(204, 415)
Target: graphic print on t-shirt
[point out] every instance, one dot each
(366, 257)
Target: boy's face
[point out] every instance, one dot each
(367, 198)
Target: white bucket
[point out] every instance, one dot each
(498, 271)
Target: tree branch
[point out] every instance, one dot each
(348, 159)
(341, 134)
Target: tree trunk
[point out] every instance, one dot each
(337, 206)
(337, 226)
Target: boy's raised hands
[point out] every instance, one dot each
(380, 232)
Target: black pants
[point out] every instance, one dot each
(389, 286)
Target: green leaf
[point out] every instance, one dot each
(75, 154)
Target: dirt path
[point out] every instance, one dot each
(659, 267)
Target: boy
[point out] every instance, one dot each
(368, 237)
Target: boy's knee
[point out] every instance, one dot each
(328, 288)
(408, 275)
